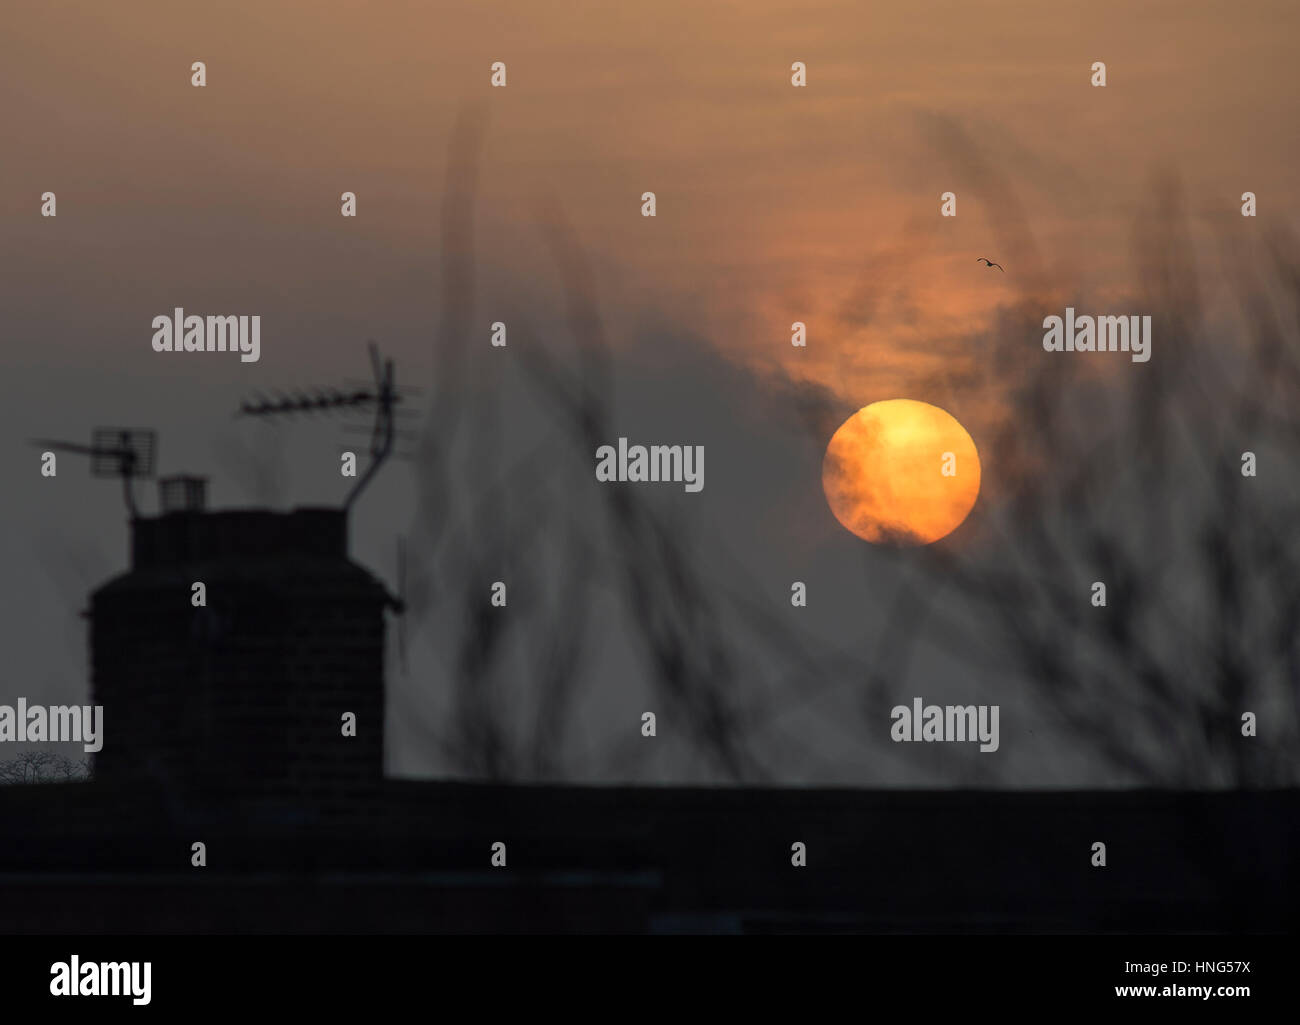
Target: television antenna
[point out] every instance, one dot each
(383, 396)
(125, 452)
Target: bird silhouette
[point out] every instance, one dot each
(990, 264)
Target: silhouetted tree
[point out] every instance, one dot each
(43, 767)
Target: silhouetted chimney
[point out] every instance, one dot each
(182, 494)
(248, 692)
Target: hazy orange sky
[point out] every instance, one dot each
(775, 204)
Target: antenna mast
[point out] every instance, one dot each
(383, 398)
(123, 452)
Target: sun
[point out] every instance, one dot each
(901, 472)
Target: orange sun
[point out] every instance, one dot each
(901, 472)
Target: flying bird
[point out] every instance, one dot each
(990, 264)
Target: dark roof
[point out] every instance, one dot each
(884, 860)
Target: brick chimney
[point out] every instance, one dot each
(247, 694)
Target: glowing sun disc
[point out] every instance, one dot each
(901, 472)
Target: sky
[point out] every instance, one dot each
(774, 204)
